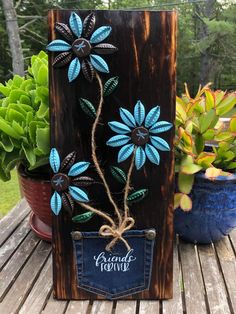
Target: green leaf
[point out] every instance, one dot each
(223, 136)
(190, 168)
(185, 203)
(15, 95)
(185, 182)
(88, 108)
(42, 75)
(210, 102)
(6, 143)
(233, 124)
(226, 104)
(4, 176)
(110, 85)
(4, 90)
(82, 218)
(29, 154)
(209, 135)
(118, 174)
(137, 196)
(199, 143)
(206, 119)
(43, 139)
(14, 115)
(177, 199)
(42, 161)
(7, 129)
(43, 110)
(18, 128)
(205, 159)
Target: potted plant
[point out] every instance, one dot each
(205, 154)
(24, 138)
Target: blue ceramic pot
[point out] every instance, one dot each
(214, 210)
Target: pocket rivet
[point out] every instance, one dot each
(151, 234)
(76, 235)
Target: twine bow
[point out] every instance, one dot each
(117, 234)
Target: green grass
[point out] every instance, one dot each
(9, 195)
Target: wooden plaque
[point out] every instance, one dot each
(145, 64)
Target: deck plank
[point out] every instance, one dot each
(9, 222)
(77, 307)
(148, 307)
(23, 284)
(227, 261)
(215, 289)
(175, 306)
(192, 279)
(125, 307)
(102, 307)
(12, 243)
(233, 239)
(54, 306)
(40, 292)
(12, 269)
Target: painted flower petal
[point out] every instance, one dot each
(54, 160)
(78, 168)
(88, 70)
(78, 194)
(56, 203)
(140, 158)
(118, 127)
(58, 45)
(152, 116)
(152, 154)
(139, 112)
(67, 202)
(104, 49)
(76, 24)
(160, 127)
(100, 34)
(127, 117)
(125, 152)
(159, 143)
(99, 63)
(88, 25)
(74, 69)
(64, 30)
(62, 59)
(118, 140)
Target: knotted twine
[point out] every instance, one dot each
(125, 222)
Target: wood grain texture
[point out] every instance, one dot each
(145, 63)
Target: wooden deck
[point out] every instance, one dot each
(204, 277)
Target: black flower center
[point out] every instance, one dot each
(140, 136)
(60, 182)
(81, 47)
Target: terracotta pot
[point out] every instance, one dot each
(37, 191)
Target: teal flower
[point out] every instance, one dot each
(138, 133)
(66, 181)
(82, 43)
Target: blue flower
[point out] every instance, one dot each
(65, 185)
(138, 133)
(82, 43)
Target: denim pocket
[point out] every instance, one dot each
(118, 273)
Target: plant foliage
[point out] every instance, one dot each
(24, 119)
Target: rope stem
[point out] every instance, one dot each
(94, 156)
(98, 212)
(127, 186)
